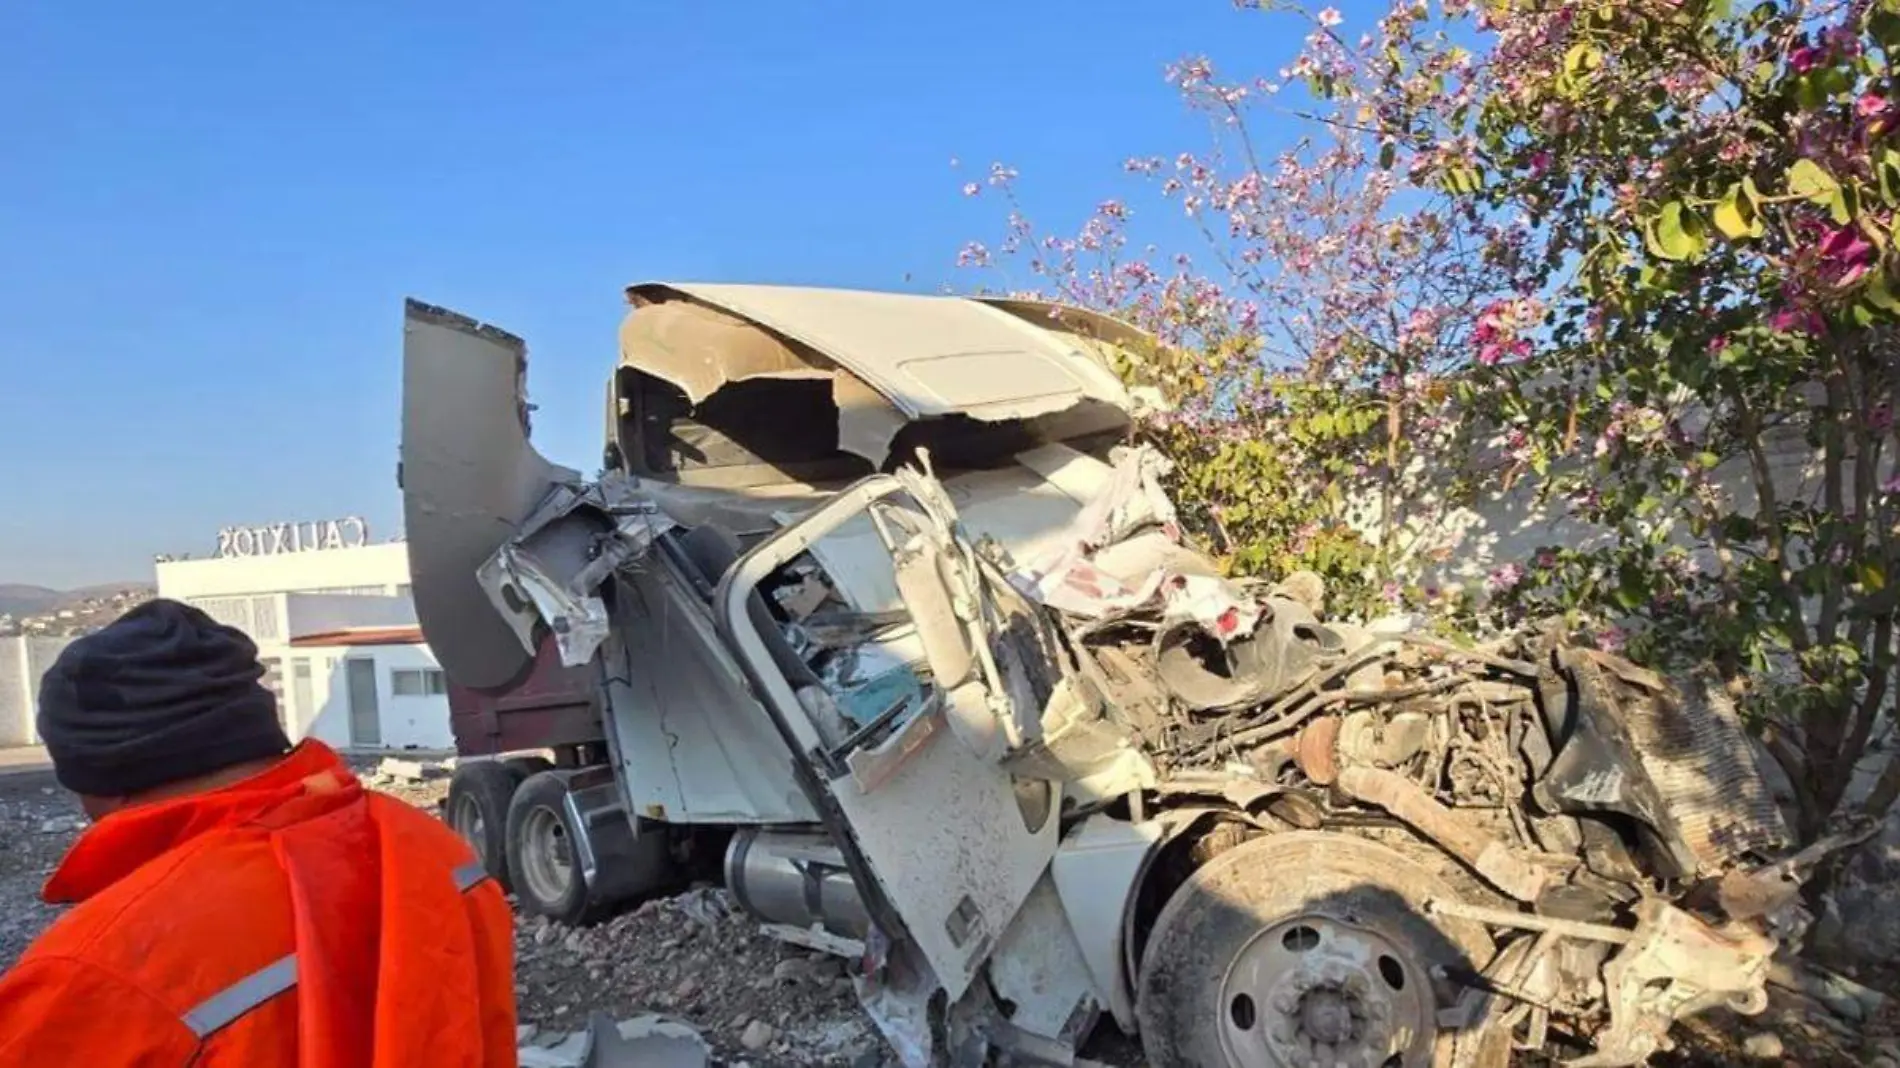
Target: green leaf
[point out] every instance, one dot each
(1873, 577)
(1388, 152)
(1880, 293)
(1677, 233)
(1842, 204)
(1889, 173)
(1809, 180)
(1583, 56)
(1736, 217)
(1885, 27)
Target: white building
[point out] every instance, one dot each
(23, 662)
(334, 627)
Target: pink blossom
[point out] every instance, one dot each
(1540, 162)
(1329, 17)
(1546, 560)
(1504, 578)
(1804, 58)
(1789, 320)
(1846, 255)
(1612, 639)
(1871, 105)
(1892, 484)
(1718, 343)
(971, 189)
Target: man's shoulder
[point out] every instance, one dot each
(225, 888)
(413, 823)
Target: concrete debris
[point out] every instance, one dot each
(642, 1042)
(396, 770)
(1763, 1047)
(688, 965)
(757, 1035)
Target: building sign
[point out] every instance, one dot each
(277, 539)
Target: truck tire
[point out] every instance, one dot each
(477, 808)
(542, 865)
(1308, 947)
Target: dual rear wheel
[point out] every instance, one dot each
(513, 813)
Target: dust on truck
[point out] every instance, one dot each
(874, 613)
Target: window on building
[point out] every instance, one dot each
(273, 681)
(418, 682)
(255, 616)
(302, 695)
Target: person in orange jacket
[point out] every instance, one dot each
(242, 903)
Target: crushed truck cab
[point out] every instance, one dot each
(874, 613)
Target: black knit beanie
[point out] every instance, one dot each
(164, 694)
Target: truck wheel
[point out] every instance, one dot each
(1306, 948)
(542, 863)
(479, 793)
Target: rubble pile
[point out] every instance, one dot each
(690, 966)
(694, 959)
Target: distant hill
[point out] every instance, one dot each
(22, 600)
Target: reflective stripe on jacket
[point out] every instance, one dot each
(290, 919)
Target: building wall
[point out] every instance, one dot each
(319, 706)
(16, 705)
(23, 663)
(1461, 543)
(370, 569)
(320, 613)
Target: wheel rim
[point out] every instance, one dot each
(1313, 991)
(466, 819)
(547, 859)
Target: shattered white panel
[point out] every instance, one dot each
(1016, 505)
(1065, 573)
(1038, 966)
(696, 746)
(946, 828)
(1095, 871)
(930, 356)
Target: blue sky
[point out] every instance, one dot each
(210, 213)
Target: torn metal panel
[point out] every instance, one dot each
(867, 424)
(929, 356)
(1675, 966)
(1038, 969)
(571, 544)
(469, 477)
(1094, 568)
(700, 348)
(1097, 871)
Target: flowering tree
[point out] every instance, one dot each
(1647, 244)
(1308, 342)
(1714, 190)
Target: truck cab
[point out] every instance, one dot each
(877, 612)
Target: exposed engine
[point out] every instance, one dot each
(1602, 826)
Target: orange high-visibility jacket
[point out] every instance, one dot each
(290, 919)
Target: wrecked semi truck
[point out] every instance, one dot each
(874, 614)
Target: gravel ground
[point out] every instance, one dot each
(759, 1002)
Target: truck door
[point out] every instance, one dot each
(949, 840)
